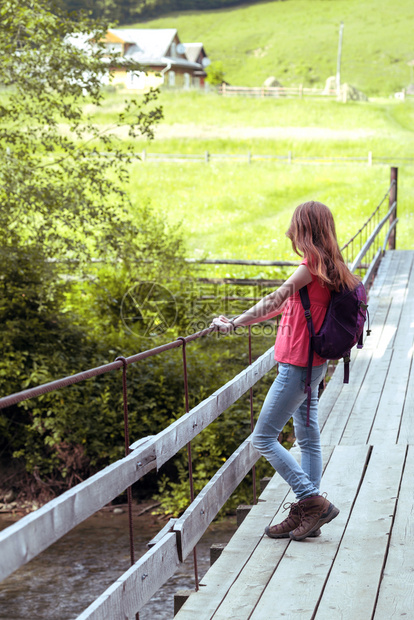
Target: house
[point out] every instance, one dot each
(195, 52)
(159, 58)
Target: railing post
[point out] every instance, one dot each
(190, 460)
(127, 451)
(392, 241)
(252, 416)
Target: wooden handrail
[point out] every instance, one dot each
(136, 586)
(34, 533)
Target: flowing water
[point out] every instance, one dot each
(63, 580)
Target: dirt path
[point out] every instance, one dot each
(206, 132)
(201, 132)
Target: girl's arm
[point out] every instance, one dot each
(269, 306)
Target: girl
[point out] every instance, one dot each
(313, 236)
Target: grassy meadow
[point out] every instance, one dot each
(297, 41)
(232, 209)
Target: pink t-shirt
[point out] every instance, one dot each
(292, 339)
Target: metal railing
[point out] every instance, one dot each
(367, 240)
(28, 537)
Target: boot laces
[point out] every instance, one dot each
(292, 507)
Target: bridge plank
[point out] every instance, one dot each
(366, 400)
(237, 553)
(387, 419)
(239, 557)
(334, 427)
(378, 310)
(396, 595)
(308, 563)
(353, 582)
(406, 433)
(346, 422)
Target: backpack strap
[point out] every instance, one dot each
(347, 359)
(304, 297)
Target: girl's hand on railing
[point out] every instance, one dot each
(223, 324)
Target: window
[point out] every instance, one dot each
(186, 80)
(171, 78)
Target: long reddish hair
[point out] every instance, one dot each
(313, 236)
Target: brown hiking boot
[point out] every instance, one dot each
(292, 521)
(315, 511)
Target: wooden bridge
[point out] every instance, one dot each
(362, 566)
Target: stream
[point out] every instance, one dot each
(63, 580)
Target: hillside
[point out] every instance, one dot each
(297, 41)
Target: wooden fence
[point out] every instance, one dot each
(28, 537)
(369, 159)
(275, 91)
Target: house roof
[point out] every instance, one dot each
(151, 43)
(192, 51)
(153, 47)
(111, 37)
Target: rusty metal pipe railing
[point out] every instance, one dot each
(18, 397)
(373, 214)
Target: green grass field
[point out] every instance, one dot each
(297, 41)
(235, 210)
(195, 122)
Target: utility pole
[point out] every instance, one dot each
(338, 66)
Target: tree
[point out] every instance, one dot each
(63, 206)
(112, 10)
(56, 192)
(215, 73)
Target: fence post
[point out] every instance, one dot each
(392, 240)
(206, 157)
(370, 158)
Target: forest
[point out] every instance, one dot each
(127, 11)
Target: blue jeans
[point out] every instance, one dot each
(286, 398)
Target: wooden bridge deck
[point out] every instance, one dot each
(362, 566)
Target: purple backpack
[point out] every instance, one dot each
(341, 329)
